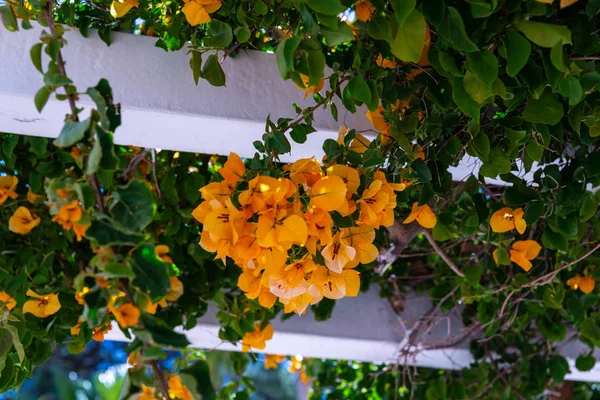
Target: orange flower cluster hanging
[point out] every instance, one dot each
(281, 232)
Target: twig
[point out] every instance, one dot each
(584, 58)
(134, 163)
(160, 377)
(154, 175)
(442, 255)
(93, 180)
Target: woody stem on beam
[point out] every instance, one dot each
(441, 253)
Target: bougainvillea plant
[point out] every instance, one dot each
(93, 233)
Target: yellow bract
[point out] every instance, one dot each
(233, 170)
(22, 221)
(68, 214)
(328, 193)
(43, 306)
(522, 252)
(310, 89)
(161, 252)
(507, 219)
(423, 214)
(272, 361)
(80, 230)
(364, 10)
(7, 300)
(32, 197)
(119, 9)
(147, 393)
(177, 390)
(563, 3)
(8, 184)
(127, 315)
(197, 11)
(258, 338)
(584, 283)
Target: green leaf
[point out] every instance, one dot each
(553, 298)
(200, 371)
(36, 56)
(557, 56)
(242, 34)
(422, 170)
(402, 9)
(570, 87)
(41, 98)
(452, 30)
(464, 101)
(220, 35)
(6, 341)
(71, 133)
(585, 362)
(534, 150)
(590, 330)
(150, 273)
(484, 65)
(93, 162)
(118, 270)
(106, 235)
(133, 206)
(478, 90)
(9, 19)
(285, 55)
(497, 164)
(434, 11)
(163, 334)
(380, 27)
(316, 67)
(410, 38)
(553, 240)
(472, 273)
(545, 110)
(589, 207)
(343, 33)
(544, 35)
(213, 72)
(16, 341)
(558, 367)
(502, 256)
(359, 89)
(551, 328)
(517, 52)
(448, 62)
(196, 66)
(326, 7)
(592, 8)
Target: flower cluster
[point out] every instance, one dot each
(281, 231)
(70, 214)
(522, 252)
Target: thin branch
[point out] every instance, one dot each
(154, 175)
(441, 253)
(134, 163)
(160, 378)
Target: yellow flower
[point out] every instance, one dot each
(584, 283)
(68, 214)
(233, 170)
(177, 390)
(80, 230)
(99, 332)
(175, 292)
(310, 89)
(135, 360)
(77, 328)
(8, 184)
(120, 8)
(326, 283)
(566, 3)
(337, 254)
(364, 10)
(361, 239)
(63, 193)
(385, 63)
(22, 221)
(147, 393)
(522, 252)
(258, 338)
(8, 301)
(272, 361)
(506, 219)
(281, 234)
(328, 193)
(305, 171)
(290, 280)
(423, 214)
(80, 294)
(32, 197)
(197, 11)
(295, 364)
(43, 306)
(127, 315)
(161, 252)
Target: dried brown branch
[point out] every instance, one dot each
(441, 253)
(135, 161)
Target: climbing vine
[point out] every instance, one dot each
(96, 235)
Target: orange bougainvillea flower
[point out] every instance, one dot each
(8, 184)
(310, 89)
(127, 315)
(506, 219)
(32, 197)
(361, 239)
(68, 214)
(177, 390)
(161, 252)
(175, 292)
(258, 338)
(364, 10)
(7, 300)
(281, 234)
(99, 332)
(584, 283)
(147, 393)
(43, 306)
(337, 254)
(22, 221)
(232, 170)
(423, 214)
(305, 172)
(272, 361)
(80, 231)
(197, 11)
(522, 252)
(326, 283)
(328, 193)
(76, 152)
(122, 7)
(63, 193)
(79, 295)
(385, 63)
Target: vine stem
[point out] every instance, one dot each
(441, 253)
(93, 179)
